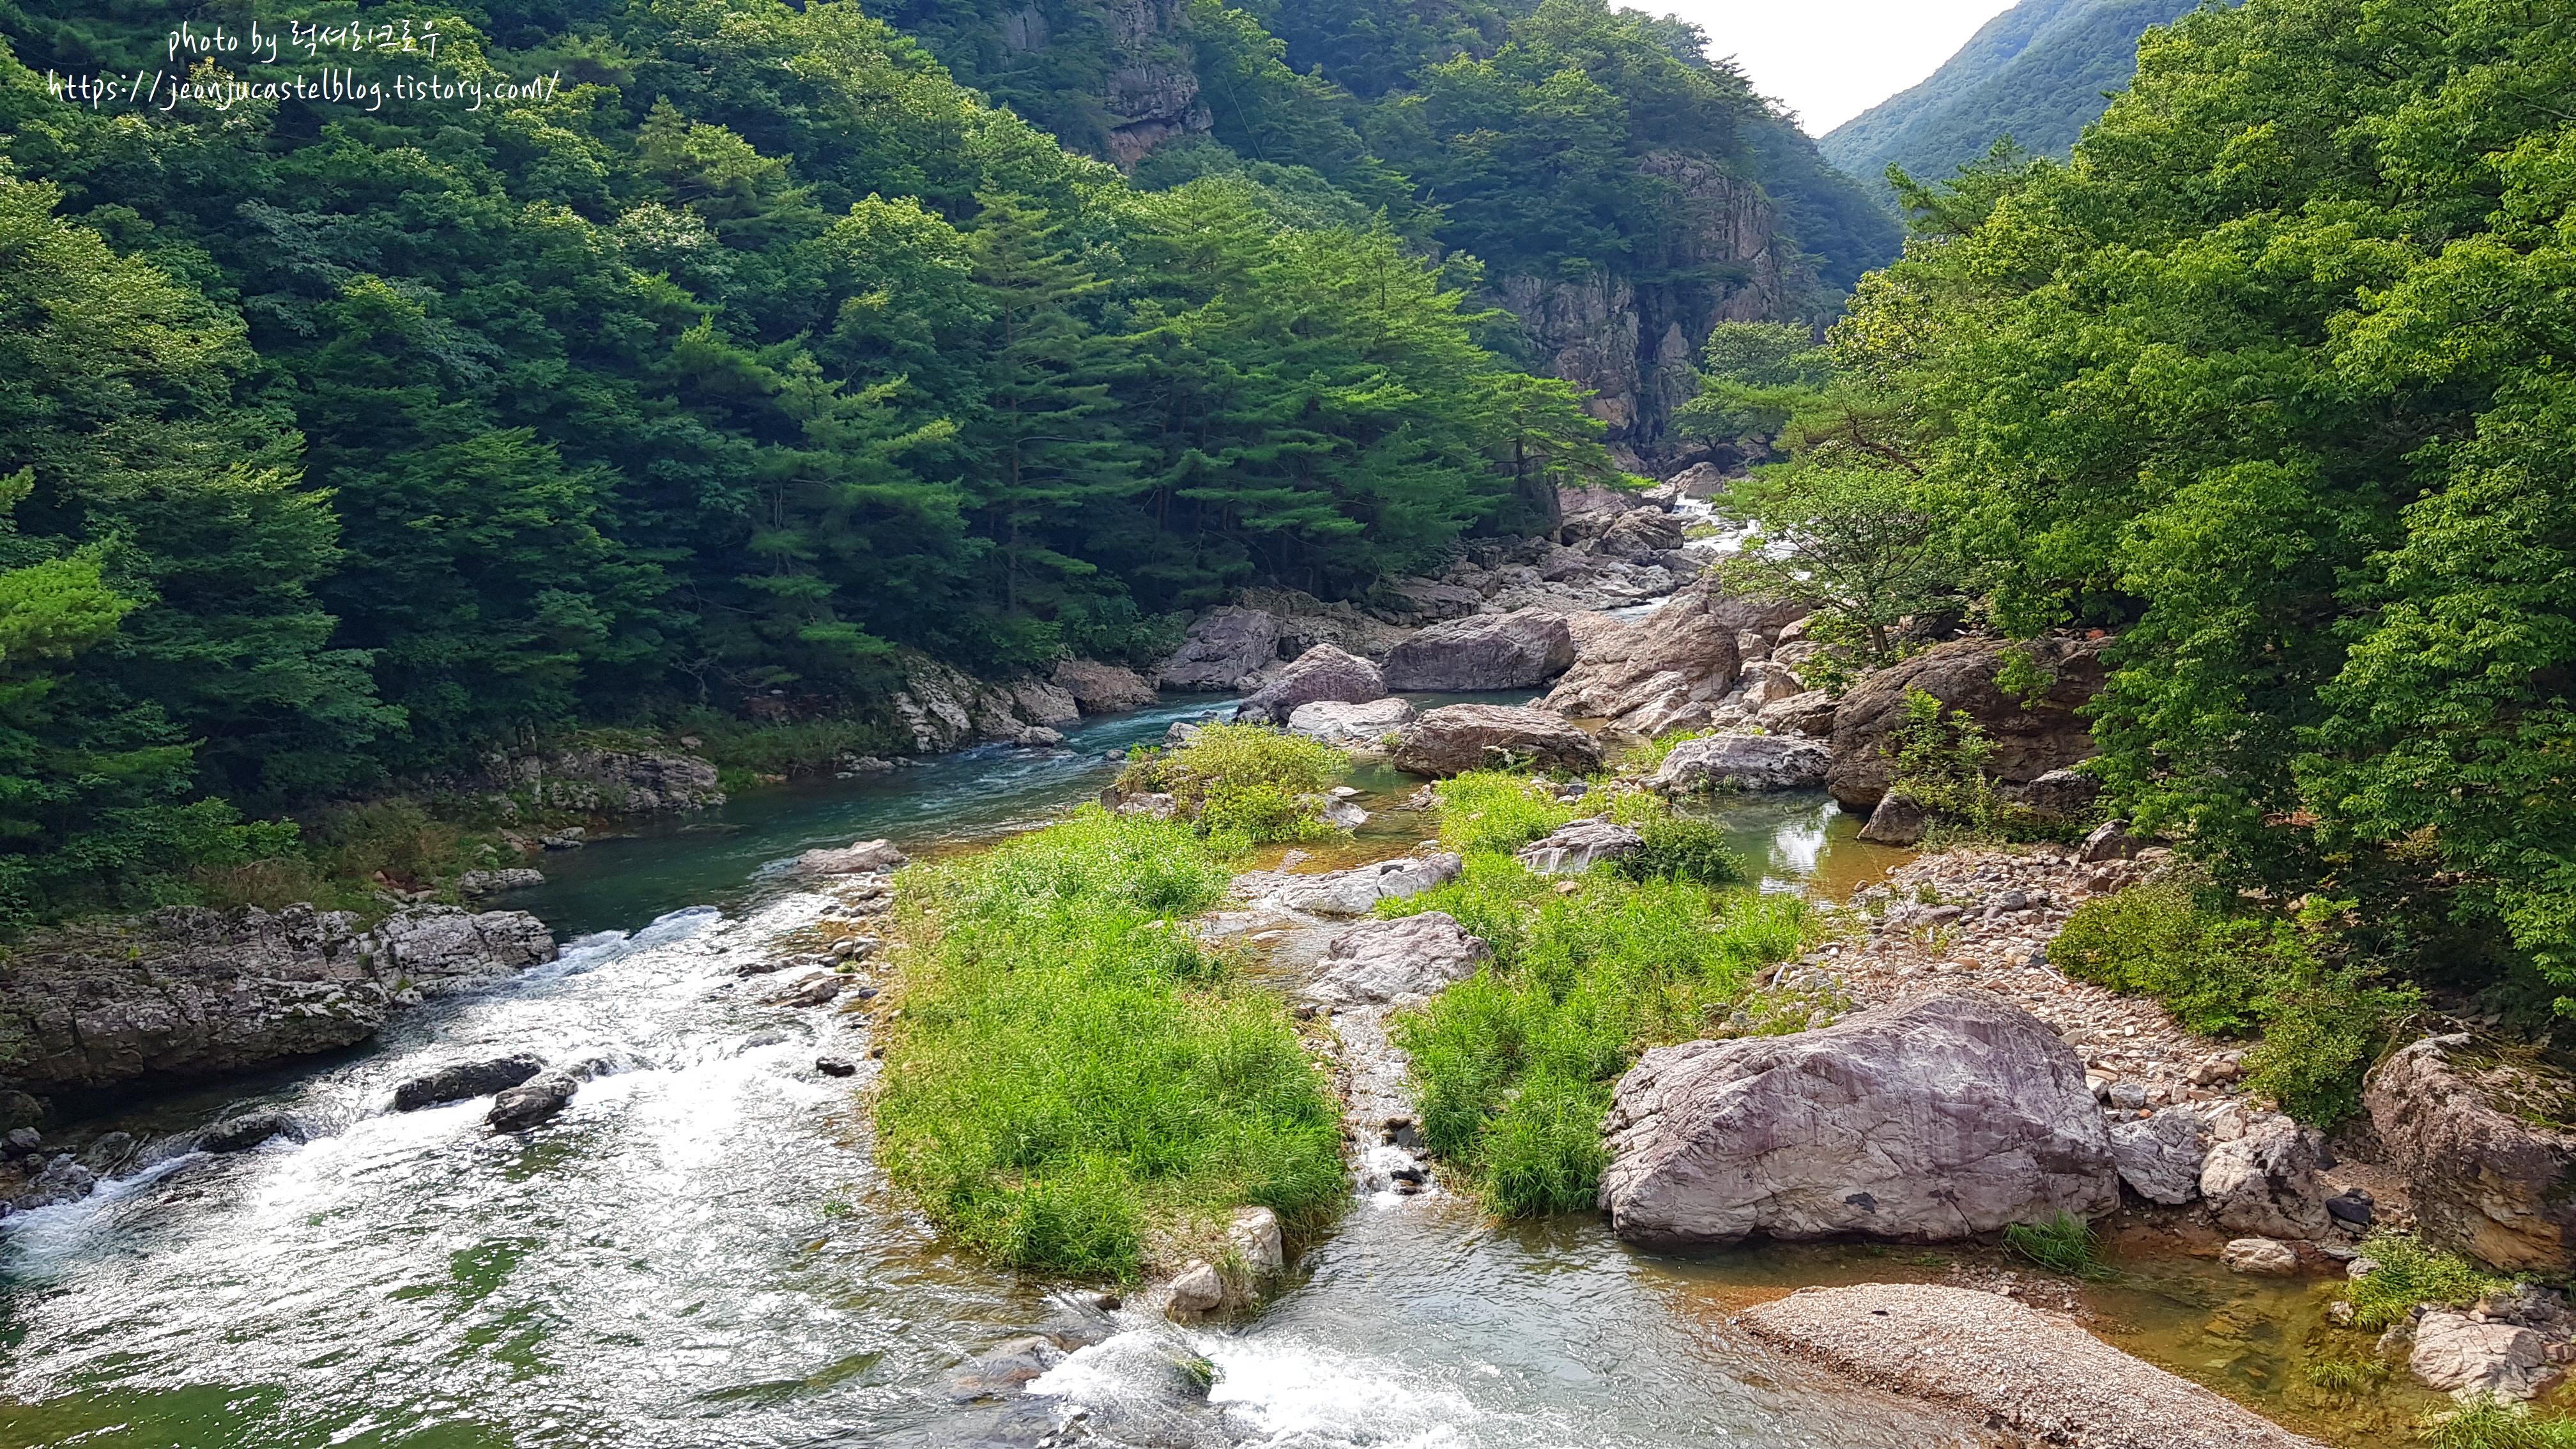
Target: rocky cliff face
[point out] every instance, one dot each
(1632, 343)
(198, 992)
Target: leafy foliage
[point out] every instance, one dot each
(1247, 783)
(2410, 1273)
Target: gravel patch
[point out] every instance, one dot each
(2032, 1372)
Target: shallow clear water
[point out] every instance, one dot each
(700, 1253)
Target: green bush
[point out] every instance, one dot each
(1248, 783)
(2322, 1024)
(1678, 846)
(1938, 761)
(1514, 1067)
(1495, 810)
(1073, 1076)
(2410, 1273)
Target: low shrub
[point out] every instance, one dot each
(1938, 760)
(2410, 1273)
(1073, 1077)
(1495, 810)
(2323, 1022)
(1678, 846)
(1249, 783)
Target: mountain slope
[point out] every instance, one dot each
(2037, 73)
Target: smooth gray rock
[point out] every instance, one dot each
(864, 858)
(2260, 1258)
(532, 1102)
(1350, 725)
(1935, 1119)
(1484, 651)
(1221, 650)
(1579, 845)
(2160, 1157)
(1896, 820)
(1741, 762)
(1412, 955)
(466, 1079)
(1321, 674)
(250, 1129)
(2265, 1183)
(1350, 892)
(1462, 737)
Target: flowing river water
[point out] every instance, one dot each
(700, 1252)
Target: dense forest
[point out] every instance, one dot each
(344, 440)
(2039, 73)
(2269, 382)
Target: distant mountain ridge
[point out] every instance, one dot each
(2037, 73)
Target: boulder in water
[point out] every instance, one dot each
(1099, 688)
(864, 858)
(1222, 650)
(2486, 1179)
(2160, 1157)
(522, 1107)
(1741, 762)
(2265, 1183)
(466, 1079)
(250, 1129)
(1321, 674)
(1463, 737)
(1350, 725)
(57, 1182)
(1483, 651)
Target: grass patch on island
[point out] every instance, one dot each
(1513, 1068)
(1244, 785)
(2410, 1273)
(1075, 1080)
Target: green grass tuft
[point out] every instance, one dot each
(2410, 1273)
(2064, 1245)
(1074, 1077)
(1495, 810)
(2488, 1424)
(1248, 783)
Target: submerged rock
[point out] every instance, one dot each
(524, 1106)
(1935, 1119)
(1412, 955)
(865, 858)
(250, 1129)
(2260, 1257)
(466, 1079)
(1463, 737)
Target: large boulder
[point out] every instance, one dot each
(1352, 892)
(1741, 762)
(1222, 650)
(1961, 674)
(1042, 703)
(1412, 955)
(1935, 1119)
(1321, 674)
(1483, 651)
(2265, 1183)
(193, 992)
(1664, 672)
(945, 708)
(2486, 1178)
(1349, 725)
(1099, 688)
(1462, 737)
(1579, 845)
(2470, 1358)
(1810, 713)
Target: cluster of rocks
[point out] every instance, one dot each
(1701, 661)
(194, 992)
(596, 782)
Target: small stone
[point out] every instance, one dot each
(25, 1140)
(2260, 1257)
(2340, 1313)
(1197, 1291)
(242, 1133)
(836, 1066)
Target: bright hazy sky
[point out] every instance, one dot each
(1830, 60)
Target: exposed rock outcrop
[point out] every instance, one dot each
(943, 708)
(1224, 650)
(1321, 674)
(1462, 737)
(2160, 1157)
(519, 1108)
(1350, 892)
(1579, 845)
(1483, 651)
(1936, 1119)
(1409, 956)
(1741, 762)
(1961, 674)
(466, 1079)
(198, 992)
(2486, 1179)
(607, 782)
(1099, 688)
